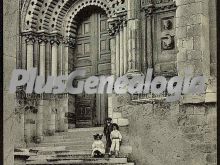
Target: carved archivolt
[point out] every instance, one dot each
(58, 15)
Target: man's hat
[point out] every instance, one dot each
(108, 119)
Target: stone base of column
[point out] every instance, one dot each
(133, 72)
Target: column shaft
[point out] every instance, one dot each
(54, 59)
(30, 54)
(117, 55)
(121, 52)
(149, 43)
(125, 50)
(40, 120)
(52, 125)
(113, 56)
(42, 58)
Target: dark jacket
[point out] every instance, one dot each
(108, 129)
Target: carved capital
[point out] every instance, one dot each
(30, 38)
(69, 41)
(42, 39)
(157, 6)
(118, 7)
(116, 24)
(149, 9)
(54, 40)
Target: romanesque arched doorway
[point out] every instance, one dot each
(92, 53)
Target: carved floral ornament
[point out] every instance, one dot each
(32, 37)
(117, 24)
(156, 6)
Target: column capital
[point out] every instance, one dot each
(54, 40)
(42, 39)
(150, 7)
(30, 38)
(116, 24)
(69, 42)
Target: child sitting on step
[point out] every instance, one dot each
(116, 138)
(98, 147)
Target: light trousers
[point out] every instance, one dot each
(115, 145)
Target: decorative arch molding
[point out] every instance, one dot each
(71, 25)
(58, 15)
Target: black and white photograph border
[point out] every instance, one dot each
(109, 38)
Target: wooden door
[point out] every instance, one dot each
(92, 53)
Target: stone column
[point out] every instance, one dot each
(52, 124)
(27, 126)
(149, 39)
(30, 51)
(40, 120)
(133, 37)
(42, 42)
(54, 52)
(117, 55)
(125, 48)
(113, 56)
(121, 34)
(61, 118)
(69, 44)
(65, 111)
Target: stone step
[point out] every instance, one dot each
(81, 161)
(85, 143)
(69, 136)
(54, 139)
(81, 131)
(66, 152)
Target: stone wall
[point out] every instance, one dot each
(10, 51)
(167, 133)
(182, 132)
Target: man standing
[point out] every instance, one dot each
(108, 128)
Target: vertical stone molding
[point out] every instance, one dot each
(42, 44)
(61, 119)
(52, 123)
(65, 111)
(125, 47)
(121, 35)
(113, 56)
(133, 37)
(117, 55)
(54, 53)
(40, 120)
(118, 29)
(30, 40)
(69, 44)
(150, 39)
(133, 46)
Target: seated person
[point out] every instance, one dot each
(98, 147)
